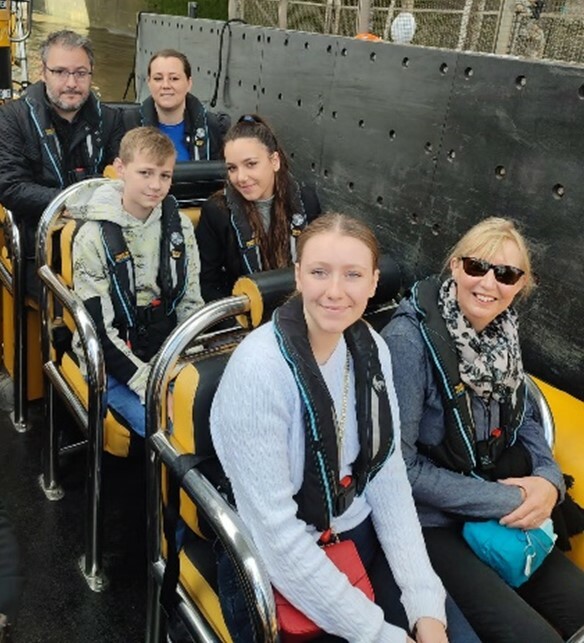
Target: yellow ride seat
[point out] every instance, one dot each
(34, 383)
(568, 415)
(116, 434)
(194, 389)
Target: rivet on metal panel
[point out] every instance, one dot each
(500, 171)
(520, 82)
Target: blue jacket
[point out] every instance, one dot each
(444, 496)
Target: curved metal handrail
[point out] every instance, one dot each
(26, 34)
(14, 282)
(92, 563)
(545, 412)
(222, 518)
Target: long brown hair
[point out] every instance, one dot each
(274, 244)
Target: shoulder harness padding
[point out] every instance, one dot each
(459, 450)
(322, 496)
(172, 275)
(247, 242)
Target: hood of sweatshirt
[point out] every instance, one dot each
(104, 203)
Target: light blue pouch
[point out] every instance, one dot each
(513, 553)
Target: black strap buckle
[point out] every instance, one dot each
(345, 495)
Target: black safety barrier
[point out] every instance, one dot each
(422, 143)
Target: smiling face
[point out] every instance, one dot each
(169, 85)
(251, 168)
(66, 92)
(336, 277)
(482, 299)
(146, 183)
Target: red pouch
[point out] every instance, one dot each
(294, 626)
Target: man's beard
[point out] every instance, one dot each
(66, 106)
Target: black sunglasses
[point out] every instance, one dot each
(508, 275)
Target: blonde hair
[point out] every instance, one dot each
(148, 140)
(486, 238)
(346, 226)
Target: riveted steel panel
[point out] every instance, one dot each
(513, 147)
(422, 143)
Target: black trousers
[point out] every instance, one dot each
(548, 608)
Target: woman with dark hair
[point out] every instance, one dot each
(473, 442)
(306, 425)
(195, 132)
(252, 225)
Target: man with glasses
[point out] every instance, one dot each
(56, 134)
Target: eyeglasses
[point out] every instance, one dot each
(62, 74)
(508, 275)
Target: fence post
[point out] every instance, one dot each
(364, 17)
(505, 27)
(283, 14)
(464, 24)
(235, 9)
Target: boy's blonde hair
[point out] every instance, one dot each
(149, 141)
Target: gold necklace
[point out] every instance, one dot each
(340, 422)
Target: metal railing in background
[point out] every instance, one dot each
(537, 29)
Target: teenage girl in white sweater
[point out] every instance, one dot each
(258, 428)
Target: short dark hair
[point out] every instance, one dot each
(70, 40)
(172, 53)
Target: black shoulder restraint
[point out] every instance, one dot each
(197, 129)
(246, 241)
(322, 495)
(145, 328)
(460, 450)
(51, 147)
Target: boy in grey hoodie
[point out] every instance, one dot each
(135, 266)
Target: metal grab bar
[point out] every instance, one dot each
(545, 413)
(20, 6)
(223, 520)
(14, 283)
(92, 562)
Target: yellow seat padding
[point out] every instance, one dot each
(116, 437)
(568, 415)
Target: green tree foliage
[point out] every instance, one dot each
(213, 9)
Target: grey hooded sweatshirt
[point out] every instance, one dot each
(92, 282)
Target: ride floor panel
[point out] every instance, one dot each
(57, 606)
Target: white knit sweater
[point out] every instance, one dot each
(258, 432)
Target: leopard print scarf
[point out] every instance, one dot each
(490, 361)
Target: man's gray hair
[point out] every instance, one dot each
(69, 39)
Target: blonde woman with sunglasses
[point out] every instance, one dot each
(472, 442)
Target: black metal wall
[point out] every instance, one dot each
(422, 143)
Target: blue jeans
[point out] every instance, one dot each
(125, 402)
(387, 593)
